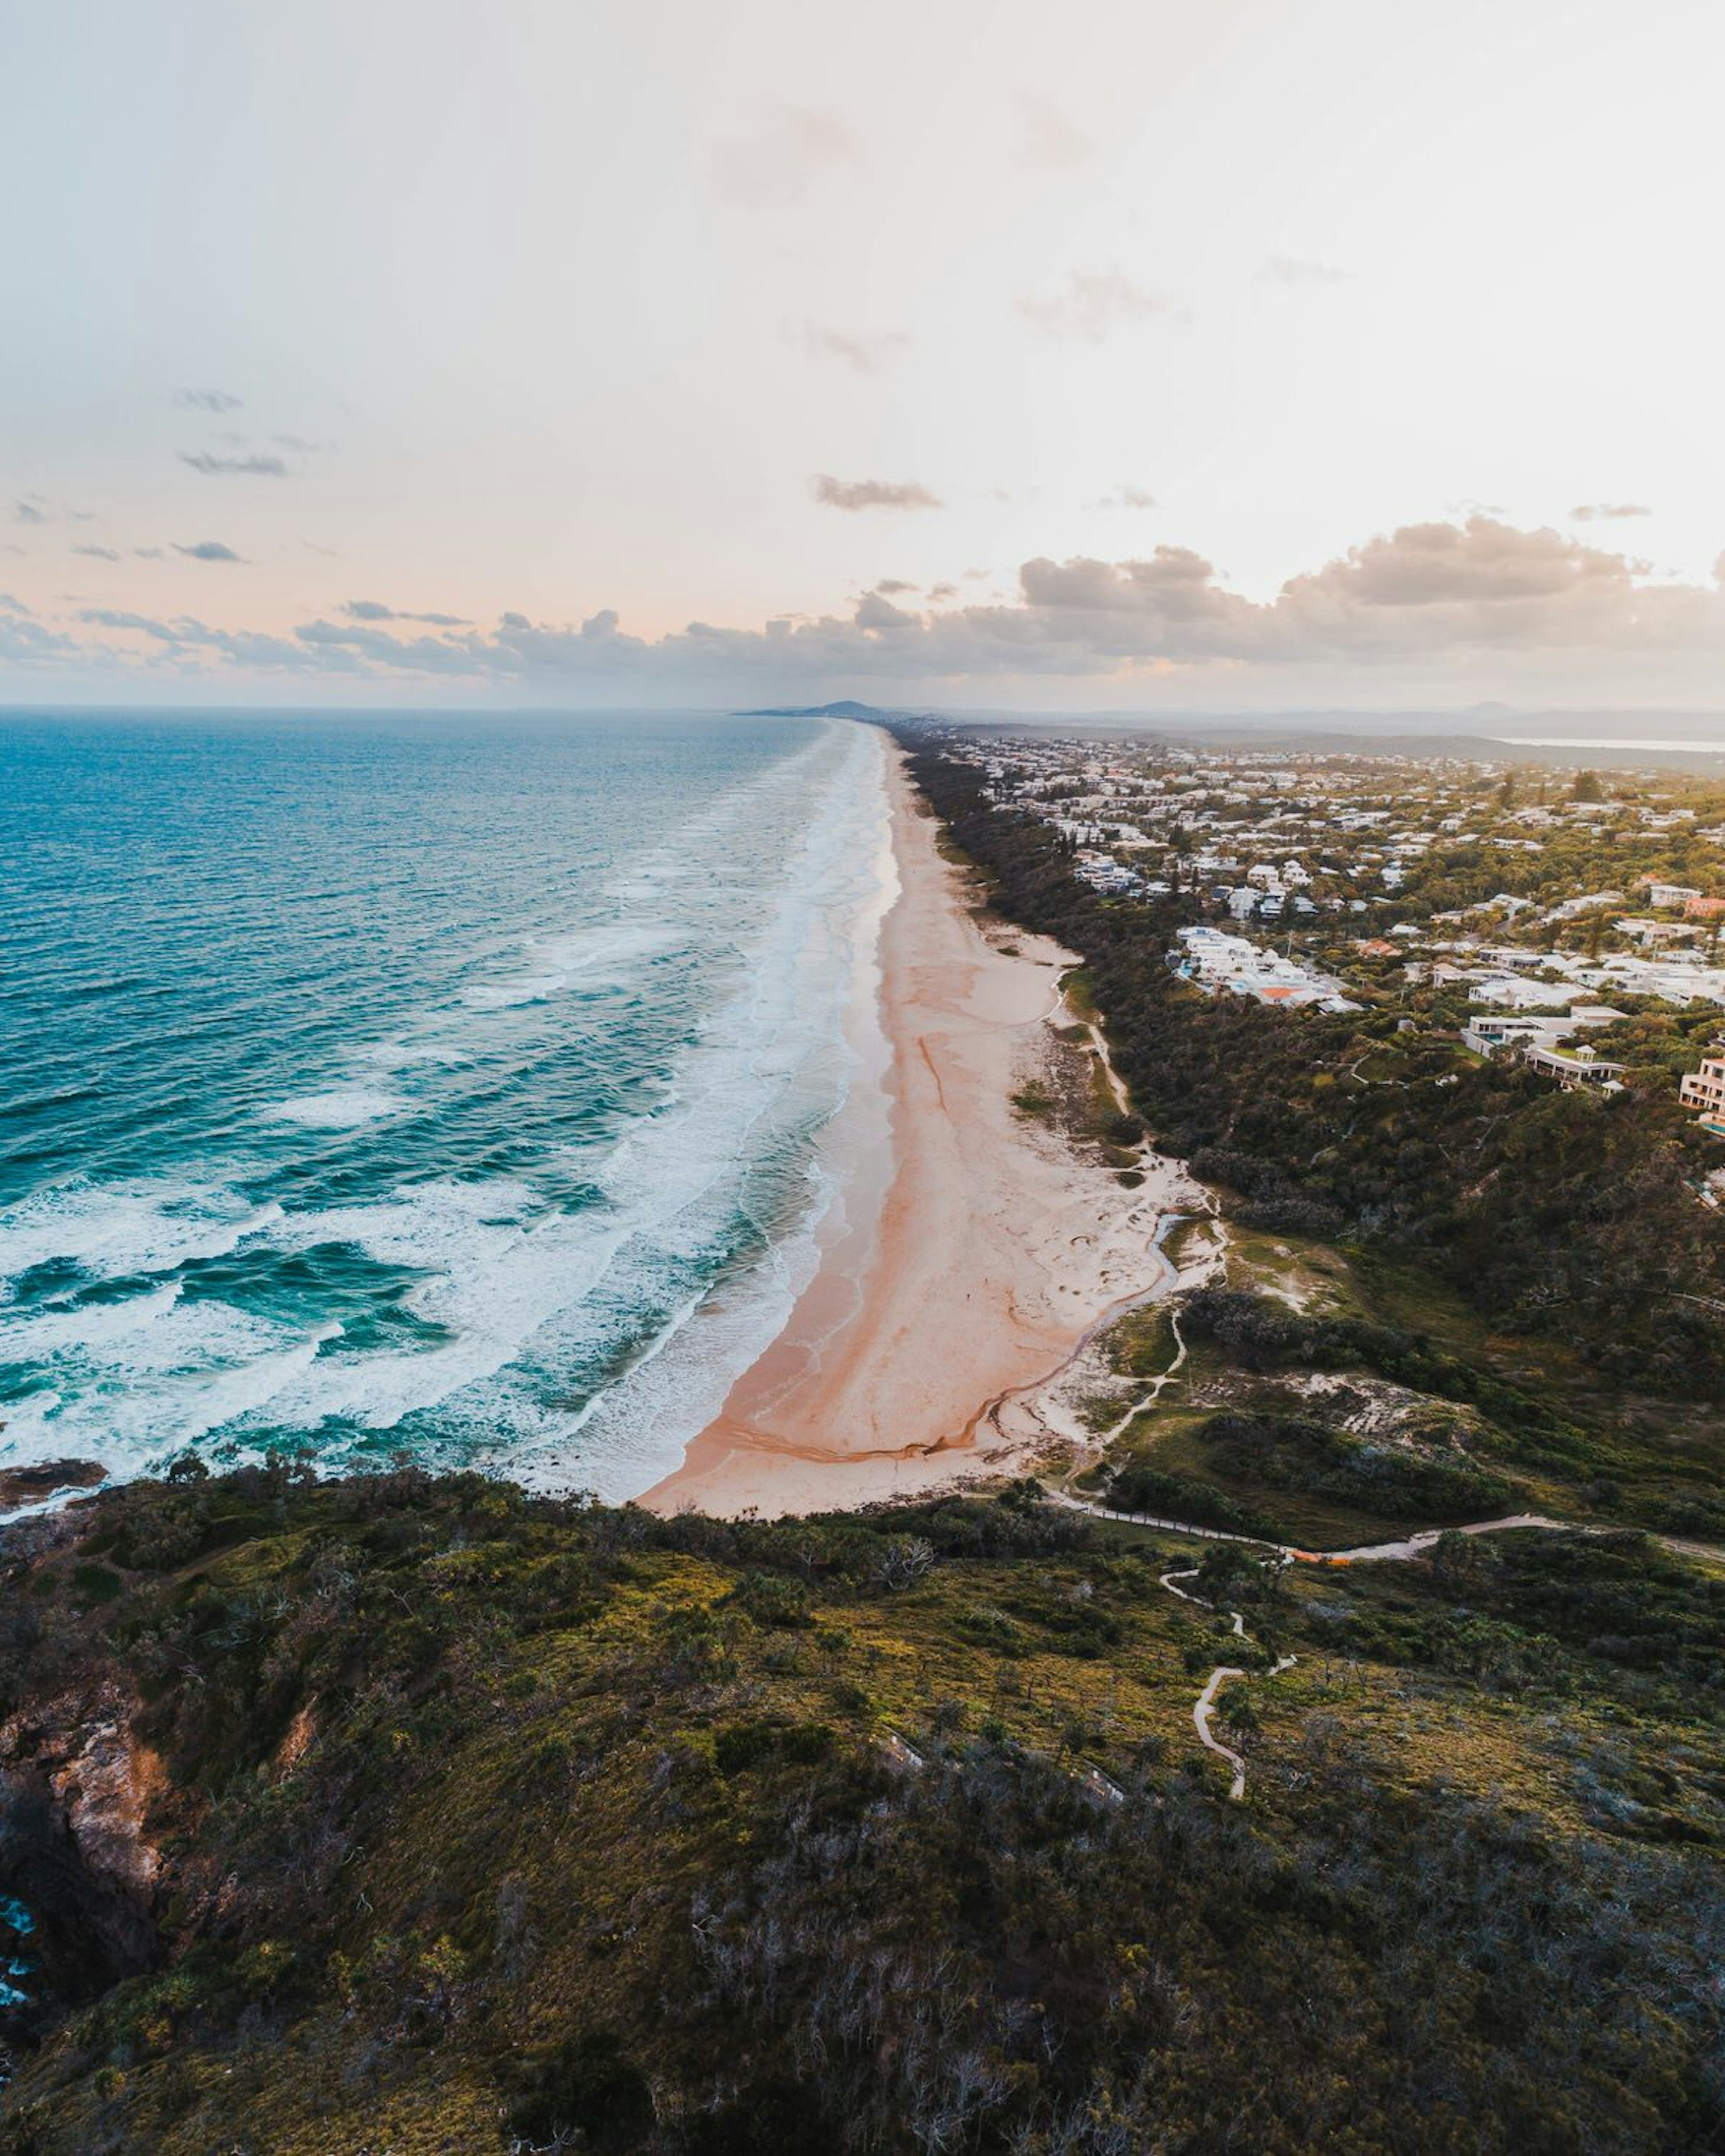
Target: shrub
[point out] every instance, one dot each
(586, 2087)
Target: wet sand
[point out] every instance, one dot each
(984, 1252)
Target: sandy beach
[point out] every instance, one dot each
(928, 1346)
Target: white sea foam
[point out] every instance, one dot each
(53, 1330)
(526, 1300)
(198, 1368)
(512, 994)
(501, 1269)
(635, 1431)
(411, 1054)
(117, 1228)
(345, 1109)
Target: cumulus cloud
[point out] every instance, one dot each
(894, 587)
(208, 550)
(874, 610)
(854, 494)
(1589, 512)
(1482, 564)
(871, 352)
(1479, 603)
(1091, 305)
(1047, 139)
(206, 400)
(253, 465)
(776, 166)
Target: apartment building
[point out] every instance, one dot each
(1704, 1090)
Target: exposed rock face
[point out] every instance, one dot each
(296, 1743)
(105, 1789)
(29, 1486)
(75, 1787)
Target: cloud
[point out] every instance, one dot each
(874, 610)
(1048, 140)
(206, 400)
(1481, 605)
(1092, 307)
(1588, 511)
(854, 494)
(30, 643)
(375, 610)
(99, 553)
(147, 553)
(1292, 270)
(894, 587)
(302, 444)
(138, 623)
(871, 352)
(187, 642)
(1482, 564)
(208, 550)
(1127, 497)
(38, 509)
(252, 466)
(776, 167)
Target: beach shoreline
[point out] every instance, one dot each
(977, 1267)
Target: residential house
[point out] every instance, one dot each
(1704, 1090)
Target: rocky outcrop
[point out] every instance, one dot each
(29, 1486)
(76, 1785)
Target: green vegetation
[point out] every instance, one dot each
(486, 1822)
(1551, 1212)
(413, 1814)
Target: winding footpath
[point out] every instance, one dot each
(1223, 1673)
(1406, 1548)
(1416, 1545)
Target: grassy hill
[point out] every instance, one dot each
(414, 1815)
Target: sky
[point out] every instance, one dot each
(1135, 354)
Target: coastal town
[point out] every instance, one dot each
(1571, 918)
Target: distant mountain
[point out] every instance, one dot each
(845, 708)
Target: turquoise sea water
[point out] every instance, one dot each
(446, 1085)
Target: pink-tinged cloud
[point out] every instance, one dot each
(1476, 599)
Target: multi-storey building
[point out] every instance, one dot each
(1704, 1090)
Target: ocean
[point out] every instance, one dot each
(456, 1087)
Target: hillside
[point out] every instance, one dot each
(412, 1815)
